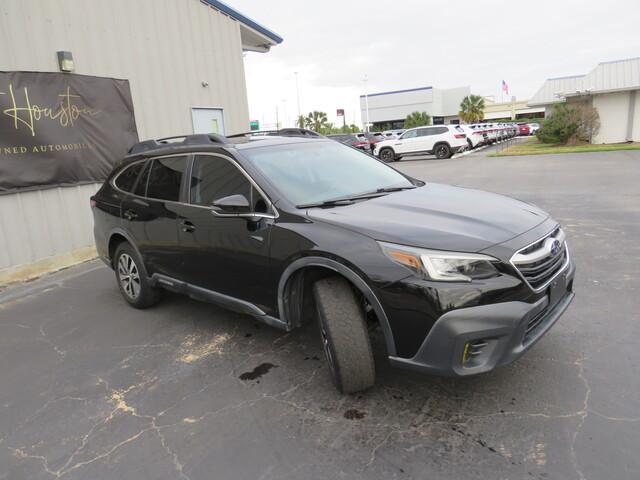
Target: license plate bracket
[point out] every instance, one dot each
(557, 289)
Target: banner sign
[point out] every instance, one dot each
(62, 129)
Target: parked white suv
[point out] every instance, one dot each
(475, 136)
(439, 140)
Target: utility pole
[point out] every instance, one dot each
(298, 97)
(366, 104)
(277, 118)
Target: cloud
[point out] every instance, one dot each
(414, 43)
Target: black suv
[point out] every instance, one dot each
(293, 229)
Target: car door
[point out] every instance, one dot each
(224, 252)
(438, 134)
(407, 142)
(149, 213)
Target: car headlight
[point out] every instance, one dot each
(440, 265)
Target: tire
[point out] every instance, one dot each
(387, 155)
(132, 278)
(344, 335)
(470, 143)
(443, 151)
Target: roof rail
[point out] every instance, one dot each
(197, 139)
(283, 132)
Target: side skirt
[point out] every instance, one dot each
(220, 299)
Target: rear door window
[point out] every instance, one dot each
(165, 178)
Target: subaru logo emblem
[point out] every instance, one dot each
(555, 247)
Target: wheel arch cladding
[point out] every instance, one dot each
(291, 286)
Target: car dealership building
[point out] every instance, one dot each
(612, 88)
(173, 67)
(389, 109)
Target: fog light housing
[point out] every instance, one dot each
(473, 351)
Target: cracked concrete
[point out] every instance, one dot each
(91, 388)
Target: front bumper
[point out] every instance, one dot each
(473, 340)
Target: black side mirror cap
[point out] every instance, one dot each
(232, 204)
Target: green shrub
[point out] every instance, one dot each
(560, 126)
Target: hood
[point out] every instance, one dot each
(436, 216)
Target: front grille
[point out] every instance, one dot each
(541, 261)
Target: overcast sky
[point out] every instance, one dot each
(415, 43)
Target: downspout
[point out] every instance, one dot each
(632, 113)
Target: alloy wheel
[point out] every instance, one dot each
(129, 276)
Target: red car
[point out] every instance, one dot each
(523, 130)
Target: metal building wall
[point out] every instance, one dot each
(165, 48)
(43, 223)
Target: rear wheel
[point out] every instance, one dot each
(387, 155)
(344, 335)
(443, 151)
(132, 280)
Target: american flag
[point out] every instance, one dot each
(505, 87)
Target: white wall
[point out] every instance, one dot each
(613, 109)
(397, 105)
(41, 223)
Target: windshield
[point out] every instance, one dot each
(315, 172)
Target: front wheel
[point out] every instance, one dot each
(344, 335)
(443, 151)
(387, 155)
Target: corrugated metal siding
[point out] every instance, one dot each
(617, 75)
(165, 48)
(41, 223)
(547, 93)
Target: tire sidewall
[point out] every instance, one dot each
(389, 151)
(443, 148)
(334, 367)
(148, 294)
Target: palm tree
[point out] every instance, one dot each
(472, 109)
(302, 121)
(417, 119)
(316, 120)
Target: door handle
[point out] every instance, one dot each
(187, 226)
(130, 214)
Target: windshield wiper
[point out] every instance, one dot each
(350, 199)
(395, 189)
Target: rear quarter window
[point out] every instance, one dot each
(126, 179)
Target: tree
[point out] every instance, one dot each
(417, 119)
(589, 125)
(472, 109)
(301, 122)
(570, 123)
(316, 121)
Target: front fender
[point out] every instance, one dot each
(349, 274)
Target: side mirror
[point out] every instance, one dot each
(231, 204)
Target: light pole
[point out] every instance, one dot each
(298, 98)
(366, 104)
(285, 117)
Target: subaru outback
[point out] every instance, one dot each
(291, 229)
